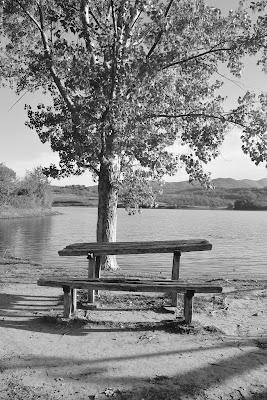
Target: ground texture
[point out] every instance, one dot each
(133, 347)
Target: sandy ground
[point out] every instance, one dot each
(133, 347)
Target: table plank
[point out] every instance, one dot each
(80, 249)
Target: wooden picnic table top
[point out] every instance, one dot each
(109, 248)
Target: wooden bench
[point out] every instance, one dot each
(70, 287)
(94, 251)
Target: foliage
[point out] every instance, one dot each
(246, 204)
(129, 78)
(7, 182)
(136, 192)
(31, 192)
(37, 187)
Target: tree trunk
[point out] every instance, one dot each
(107, 208)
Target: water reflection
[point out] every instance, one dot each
(25, 236)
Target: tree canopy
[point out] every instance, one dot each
(128, 78)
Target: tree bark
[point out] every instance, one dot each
(107, 207)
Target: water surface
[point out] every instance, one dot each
(239, 239)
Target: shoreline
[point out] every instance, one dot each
(26, 213)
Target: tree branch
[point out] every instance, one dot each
(135, 17)
(29, 15)
(113, 17)
(184, 115)
(89, 166)
(84, 12)
(160, 32)
(196, 56)
(198, 114)
(40, 7)
(47, 50)
(95, 19)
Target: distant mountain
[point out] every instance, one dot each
(229, 183)
(239, 184)
(226, 183)
(263, 182)
(225, 193)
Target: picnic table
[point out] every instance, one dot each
(94, 251)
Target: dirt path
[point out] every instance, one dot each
(137, 350)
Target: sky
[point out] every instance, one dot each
(21, 149)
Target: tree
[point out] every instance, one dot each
(126, 79)
(37, 187)
(7, 182)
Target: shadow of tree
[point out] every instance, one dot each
(195, 382)
(23, 312)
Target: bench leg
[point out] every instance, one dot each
(175, 274)
(73, 300)
(67, 302)
(188, 306)
(97, 270)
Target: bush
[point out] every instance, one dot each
(32, 192)
(8, 183)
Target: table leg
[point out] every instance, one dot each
(67, 302)
(175, 274)
(97, 266)
(91, 275)
(97, 270)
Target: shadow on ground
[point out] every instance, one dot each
(194, 383)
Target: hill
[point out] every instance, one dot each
(177, 194)
(225, 193)
(243, 183)
(75, 195)
(226, 183)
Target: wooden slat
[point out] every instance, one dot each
(188, 306)
(175, 274)
(131, 286)
(91, 274)
(67, 302)
(73, 300)
(80, 249)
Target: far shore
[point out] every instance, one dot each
(167, 207)
(10, 213)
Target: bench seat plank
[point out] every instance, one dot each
(115, 248)
(132, 285)
(138, 286)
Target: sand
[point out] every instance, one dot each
(134, 346)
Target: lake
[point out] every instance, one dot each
(239, 239)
